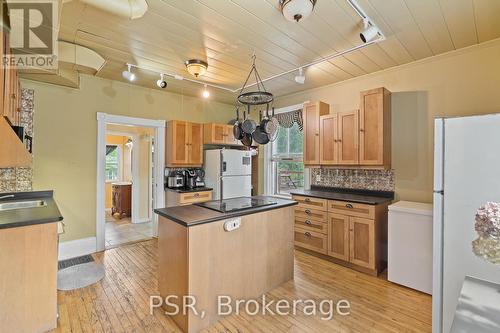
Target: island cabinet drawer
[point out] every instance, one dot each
(311, 225)
(311, 240)
(311, 214)
(311, 203)
(351, 209)
(194, 197)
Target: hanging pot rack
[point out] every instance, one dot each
(257, 97)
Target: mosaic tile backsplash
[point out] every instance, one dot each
(20, 179)
(360, 179)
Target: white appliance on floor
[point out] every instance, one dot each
(466, 176)
(409, 243)
(229, 173)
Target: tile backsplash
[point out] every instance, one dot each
(362, 179)
(20, 179)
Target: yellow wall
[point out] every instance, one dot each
(463, 82)
(66, 137)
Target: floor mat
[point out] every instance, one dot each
(79, 276)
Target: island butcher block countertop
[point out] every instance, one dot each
(193, 215)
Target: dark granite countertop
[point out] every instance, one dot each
(188, 190)
(29, 216)
(341, 194)
(192, 215)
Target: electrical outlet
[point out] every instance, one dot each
(233, 224)
(318, 178)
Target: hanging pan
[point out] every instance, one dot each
(237, 131)
(248, 125)
(247, 139)
(260, 136)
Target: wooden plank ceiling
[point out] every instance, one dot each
(226, 33)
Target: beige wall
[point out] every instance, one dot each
(463, 82)
(66, 137)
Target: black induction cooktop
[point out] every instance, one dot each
(236, 204)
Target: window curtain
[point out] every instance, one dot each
(110, 149)
(287, 119)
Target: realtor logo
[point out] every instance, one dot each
(32, 36)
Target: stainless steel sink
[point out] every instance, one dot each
(22, 204)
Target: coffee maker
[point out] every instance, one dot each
(190, 178)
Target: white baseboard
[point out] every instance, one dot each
(143, 220)
(76, 248)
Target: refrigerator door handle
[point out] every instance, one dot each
(224, 166)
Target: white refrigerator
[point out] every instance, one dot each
(229, 173)
(466, 177)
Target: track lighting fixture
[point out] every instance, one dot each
(206, 93)
(178, 77)
(161, 82)
(371, 31)
(128, 75)
(301, 78)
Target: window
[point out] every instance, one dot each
(287, 161)
(113, 162)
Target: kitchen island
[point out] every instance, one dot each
(206, 253)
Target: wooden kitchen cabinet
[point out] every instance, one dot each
(219, 134)
(375, 128)
(174, 198)
(122, 199)
(362, 242)
(339, 139)
(311, 114)
(184, 144)
(338, 236)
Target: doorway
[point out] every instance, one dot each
(129, 179)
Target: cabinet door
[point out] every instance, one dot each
(362, 242)
(230, 140)
(7, 84)
(195, 144)
(348, 136)
(218, 133)
(338, 236)
(177, 143)
(374, 137)
(311, 114)
(2, 72)
(328, 147)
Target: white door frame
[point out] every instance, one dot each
(102, 120)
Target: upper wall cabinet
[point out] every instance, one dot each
(375, 128)
(219, 134)
(184, 144)
(311, 116)
(339, 137)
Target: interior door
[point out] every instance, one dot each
(348, 136)
(371, 129)
(328, 139)
(195, 144)
(338, 236)
(180, 142)
(361, 241)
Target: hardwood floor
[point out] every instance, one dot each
(120, 302)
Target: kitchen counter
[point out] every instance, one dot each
(193, 215)
(189, 190)
(249, 257)
(29, 216)
(359, 196)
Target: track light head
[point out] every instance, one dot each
(128, 75)
(369, 34)
(161, 82)
(301, 78)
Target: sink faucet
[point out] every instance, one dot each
(7, 196)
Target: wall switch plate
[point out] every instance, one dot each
(318, 178)
(233, 224)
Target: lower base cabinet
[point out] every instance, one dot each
(349, 234)
(174, 198)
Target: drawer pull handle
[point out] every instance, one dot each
(307, 200)
(307, 211)
(348, 206)
(196, 195)
(308, 234)
(307, 222)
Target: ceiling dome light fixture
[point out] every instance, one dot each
(196, 67)
(301, 78)
(206, 93)
(295, 10)
(128, 75)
